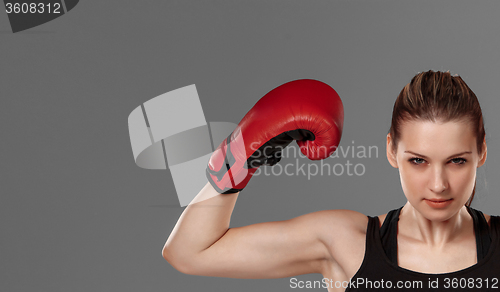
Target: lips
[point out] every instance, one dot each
(438, 200)
(438, 203)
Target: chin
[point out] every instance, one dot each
(439, 211)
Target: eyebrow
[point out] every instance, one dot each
(454, 155)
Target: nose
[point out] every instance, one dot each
(438, 182)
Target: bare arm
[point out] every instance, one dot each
(201, 243)
(199, 226)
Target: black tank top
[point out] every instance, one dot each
(380, 271)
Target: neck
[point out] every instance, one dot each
(435, 233)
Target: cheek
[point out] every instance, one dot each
(413, 180)
(463, 181)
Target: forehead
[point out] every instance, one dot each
(437, 138)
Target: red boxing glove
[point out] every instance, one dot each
(308, 111)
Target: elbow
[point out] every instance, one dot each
(178, 263)
(165, 254)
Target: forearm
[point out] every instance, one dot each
(201, 224)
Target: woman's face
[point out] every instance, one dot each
(437, 164)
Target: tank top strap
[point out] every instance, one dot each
(495, 228)
(373, 253)
(371, 230)
(389, 234)
(482, 231)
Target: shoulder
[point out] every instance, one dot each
(343, 232)
(330, 225)
(339, 220)
(486, 216)
(337, 228)
(381, 219)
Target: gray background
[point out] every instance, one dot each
(77, 214)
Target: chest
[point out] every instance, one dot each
(420, 257)
(412, 255)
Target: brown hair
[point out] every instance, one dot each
(433, 96)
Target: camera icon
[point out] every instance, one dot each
(170, 132)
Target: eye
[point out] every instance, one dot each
(416, 160)
(458, 160)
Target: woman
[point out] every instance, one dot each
(434, 242)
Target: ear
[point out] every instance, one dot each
(482, 158)
(391, 156)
